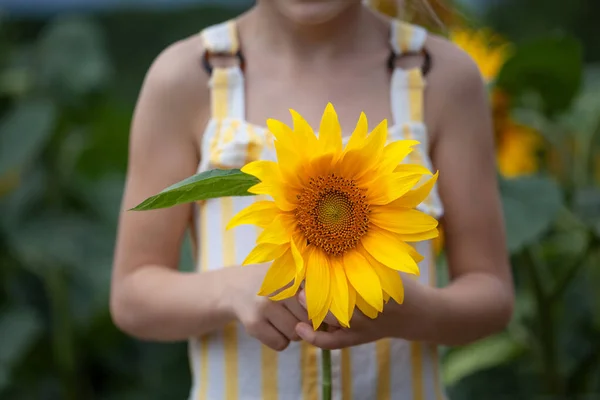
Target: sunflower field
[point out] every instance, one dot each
(68, 83)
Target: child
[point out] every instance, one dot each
(204, 105)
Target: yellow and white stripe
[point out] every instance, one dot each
(232, 365)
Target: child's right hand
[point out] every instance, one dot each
(273, 323)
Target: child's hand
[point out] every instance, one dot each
(273, 323)
(397, 320)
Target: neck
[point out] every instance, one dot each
(302, 39)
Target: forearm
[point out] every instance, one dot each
(471, 307)
(156, 303)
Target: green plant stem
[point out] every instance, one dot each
(325, 370)
(62, 332)
(326, 367)
(546, 331)
(564, 282)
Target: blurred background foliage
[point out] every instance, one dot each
(68, 83)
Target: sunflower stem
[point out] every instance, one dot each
(326, 370)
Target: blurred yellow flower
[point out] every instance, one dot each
(9, 182)
(517, 150)
(487, 49)
(340, 218)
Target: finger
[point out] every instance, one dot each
(337, 339)
(296, 308)
(301, 296)
(272, 337)
(332, 321)
(284, 321)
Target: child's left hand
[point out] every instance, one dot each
(396, 320)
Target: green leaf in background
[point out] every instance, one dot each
(530, 206)
(550, 67)
(587, 207)
(487, 353)
(73, 56)
(202, 186)
(19, 328)
(24, 131)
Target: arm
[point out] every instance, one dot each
(150, 298)
(479, 300)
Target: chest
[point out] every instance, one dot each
(363, 86)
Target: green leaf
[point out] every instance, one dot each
(530, 206)
(487, 353)
(19, 329)
(549, 66)
(73, 56)
(24, 131)
(202, 186)
(52, 242)
(586, 203)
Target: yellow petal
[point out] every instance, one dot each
(265, 252)
(298, 277)
(282, 196)
(304, 132)
(410, 169)
(394, 153)
(365, 308)
(290, 165)
(321, 165)
(318, 319)
(279, 275)
(299, 240)
(360, 161)
(260, 214)
(375, 142)
(275, 233)
(419, 237)
(283, 133)
(317, 283)
(416, 196)
(351, 302)
(339, 292)
(402, 220)
(330, 131)
(359, 135)
(364, 279)
(390, 187)
(389, 250)
(271, 184)
(265, 171)
(391, 281)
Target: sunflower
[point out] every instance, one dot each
(340, 218)
(488, 50)
(517, 150)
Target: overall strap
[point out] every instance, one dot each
(407, 99)
(407, 86)
(226, 83)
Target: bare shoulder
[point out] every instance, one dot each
(452, 65)
(177, 80)
(454, 81)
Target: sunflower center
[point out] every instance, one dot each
(333, 214)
